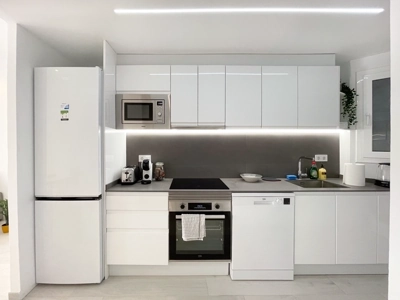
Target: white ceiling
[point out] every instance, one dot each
(77, 28)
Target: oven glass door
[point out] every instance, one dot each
(138, 112)
(216, 244)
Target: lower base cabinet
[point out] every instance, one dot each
(137, 228)
(137, 247)
(357, 217)
(315, 223)
(342, 228)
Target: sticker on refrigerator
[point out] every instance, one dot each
(64, 112)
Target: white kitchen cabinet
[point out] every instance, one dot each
(137, 201)
(143, 78)
(357, 215)
(318, 97)
(315, 228)
(243, 96)
(211, 96)
(279, 96)
(137, 228)
(184, 96)
(137, 247)
(383, 228)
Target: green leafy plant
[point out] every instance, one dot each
(4, 209)
(349, 104)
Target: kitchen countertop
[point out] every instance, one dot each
(238, 185)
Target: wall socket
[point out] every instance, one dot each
(321, 157)
(142, 157)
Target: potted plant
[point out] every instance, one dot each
(349, 104)
(4, 211)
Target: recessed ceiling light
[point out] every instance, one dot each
(251, 10)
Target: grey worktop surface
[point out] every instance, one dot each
(238, 185)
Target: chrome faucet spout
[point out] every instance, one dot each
(300, 174)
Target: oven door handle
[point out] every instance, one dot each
(208, 217)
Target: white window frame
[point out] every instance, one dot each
(364, 115)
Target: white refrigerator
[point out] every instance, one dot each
(68, 175)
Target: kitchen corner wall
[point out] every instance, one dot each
(221, 155)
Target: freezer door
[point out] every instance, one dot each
(67, 132)
(68, 242)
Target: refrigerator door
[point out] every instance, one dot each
(67, 132)
(68, 242)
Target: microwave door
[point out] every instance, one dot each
(138, 112)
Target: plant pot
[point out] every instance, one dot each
(4, 228)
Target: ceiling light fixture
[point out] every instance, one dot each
(250, 10)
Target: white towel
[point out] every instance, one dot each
(193, 227)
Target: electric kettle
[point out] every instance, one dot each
(383, 175)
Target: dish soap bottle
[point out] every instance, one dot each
(313, 170)
(322, 173)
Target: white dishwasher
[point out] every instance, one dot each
(262, 236)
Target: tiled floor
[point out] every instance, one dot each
(4, 265)
(351, 287)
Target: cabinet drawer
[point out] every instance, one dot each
(137, 201)
(137, 247)
(137, 220)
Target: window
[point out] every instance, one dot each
(373, 131)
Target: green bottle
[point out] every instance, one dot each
(313, 170)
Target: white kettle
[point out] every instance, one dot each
(383, 175)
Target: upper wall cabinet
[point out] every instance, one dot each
(136, 78)
(183, 96)
(243, 96)
(279, 96)
(211, 96)
(318, 97)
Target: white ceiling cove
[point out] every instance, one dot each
(77, 28)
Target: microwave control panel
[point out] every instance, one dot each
(160, 111)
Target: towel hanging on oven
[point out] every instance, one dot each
(193, 227)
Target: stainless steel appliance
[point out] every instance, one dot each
(200, 196)
(147, 171)
(383, 175)
(142, 111)
(130, 175)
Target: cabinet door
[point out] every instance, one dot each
(383, 228)
(143, 79)
(183, 96)
(279, 96)
(243, 96)
(357, 228)
(315, 229)
(137, 247)
(319, 97)
(212, 95)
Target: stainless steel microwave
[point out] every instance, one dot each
(142, 111)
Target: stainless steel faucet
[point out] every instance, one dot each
(300, 174)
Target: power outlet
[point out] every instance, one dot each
(321, 157)
(143, 157)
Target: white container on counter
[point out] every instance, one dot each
(354, 174)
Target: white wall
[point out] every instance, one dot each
(394, 252)
(229, 59)
(115, 140)
(3, 110)
(26, 51)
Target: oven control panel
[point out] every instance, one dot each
(199, 206)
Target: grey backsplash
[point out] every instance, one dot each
(206, 156)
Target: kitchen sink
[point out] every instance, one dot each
(315, 184)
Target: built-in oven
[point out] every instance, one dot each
(216, 206)
(142, 111)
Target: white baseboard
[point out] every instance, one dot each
(173, 269)
(262, 274)
(340, 269)
(20, 295)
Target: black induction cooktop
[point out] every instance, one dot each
(198, 184)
